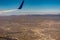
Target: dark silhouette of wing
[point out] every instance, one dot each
(20, 7)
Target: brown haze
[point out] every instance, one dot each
(29, 28)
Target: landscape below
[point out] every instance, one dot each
(30, 27)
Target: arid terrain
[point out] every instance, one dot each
(30, 27)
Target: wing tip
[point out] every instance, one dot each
(20, 7)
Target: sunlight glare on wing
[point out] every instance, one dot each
(10, 10)
(7, 11)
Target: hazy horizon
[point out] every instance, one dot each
(30, 6)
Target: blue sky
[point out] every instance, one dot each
(31, 5)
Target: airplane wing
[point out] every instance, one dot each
(20, 7)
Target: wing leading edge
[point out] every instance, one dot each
(20, 7)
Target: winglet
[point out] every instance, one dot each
(20, 7)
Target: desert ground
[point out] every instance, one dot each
(30, 27)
